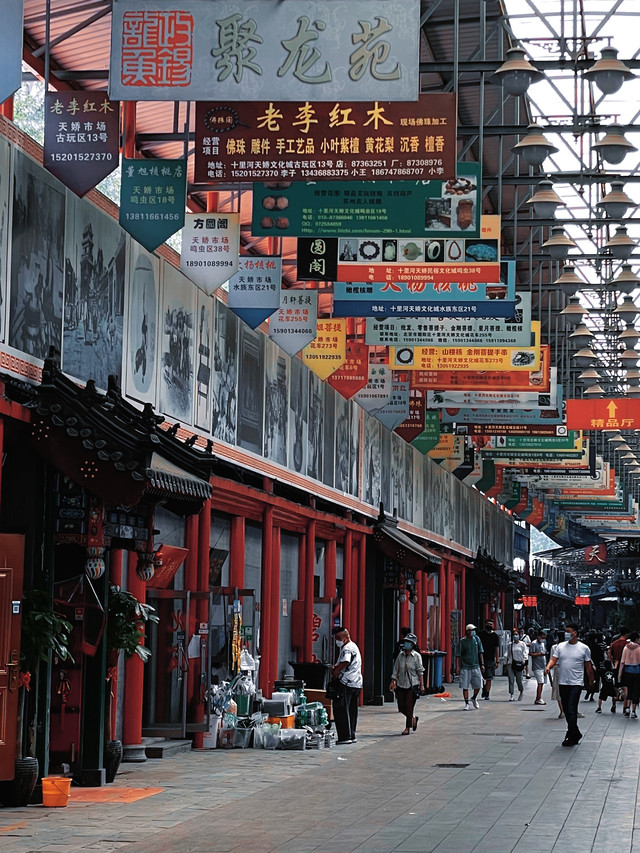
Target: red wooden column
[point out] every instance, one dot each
(134, 670)
(310, 562)
(347, 580)
(442, 604)
(330, 568)
(191, 584)
(362, 558)
(274, 611)
(201, 609)
(237, 551)
(354, 628)
(266, 627)
(463, 593)
(129, 127)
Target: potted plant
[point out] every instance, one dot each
(43, 631)
(126, 621)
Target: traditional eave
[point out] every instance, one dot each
(113, 449)
(402, 549)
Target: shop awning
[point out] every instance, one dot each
(404, 550)
(493, 574)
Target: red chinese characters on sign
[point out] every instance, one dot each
(157, 48)
(616, 413)
(582, 599)
(530, 600)
(596, 554)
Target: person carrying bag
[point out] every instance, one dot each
(407, 680)
(516, 662)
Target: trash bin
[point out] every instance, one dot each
(438, 658)
(314, 675)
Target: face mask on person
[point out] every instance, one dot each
(516, 638)
(339, 643)
(407, 646)
(473, 633)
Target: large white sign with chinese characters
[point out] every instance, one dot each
(210, 248)
(294, 325)
(285, 50)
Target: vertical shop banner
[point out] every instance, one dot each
(254, 291)
(353, 375)
(413, 424)
(152, 199)
(294, 324)
(391, 209)
(81, 138)
(377, 392)
(430, 435)
(11, 39)
(283, 50)
(396, 410)
(210, 248)
(278, 142)
(327, 352)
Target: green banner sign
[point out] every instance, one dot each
(364, 208)
(152, 199)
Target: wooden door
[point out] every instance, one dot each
(11, 565)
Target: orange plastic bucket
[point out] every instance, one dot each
(55, 791)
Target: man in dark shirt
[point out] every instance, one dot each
(491, 645)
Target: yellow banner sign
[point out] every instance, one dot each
(468, 358)
(327, 352)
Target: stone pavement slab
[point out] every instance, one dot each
(495, 780)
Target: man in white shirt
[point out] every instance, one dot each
(573, 659)
(348, 668)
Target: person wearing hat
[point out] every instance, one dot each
(407, 680)
(469, 655)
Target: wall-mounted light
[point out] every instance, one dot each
(629, 357)
(627, 310)
(568, 282)
(608, 72)
(584, 357)
(581, 336)
(535, 147)
(626, 281)
(516, 73)
(573, 313)
(621, 246)
(589, 377)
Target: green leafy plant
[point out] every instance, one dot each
(43, 631)
(126, 619)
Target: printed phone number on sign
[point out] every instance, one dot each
(82, 155)
(208, 263)
(153, 216)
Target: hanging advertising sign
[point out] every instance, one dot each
(254, 291)
(509, 429)
(396, 410)
(404, 299)
(502, 416)
(480, 380)
(293, 326)
(441, 331)
(496, 399)
(81, 138)
(182, 50)
(152, 199)
(360, 208)
(508, 444)
(377, 392)
(210, 248)
(278, 142)
(11, 40)
(353, 375)
(327, 352)
(452, 266)
(616, 413)
(467, 358)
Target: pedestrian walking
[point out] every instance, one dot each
(348, 669)
(407, 680)
(608, 689)
(538, 658)
(615, 653)
(491, 645)
(573, 659)
(629, 674)
(516, 657)
(526, 639)
(470, 665)
(553, 675)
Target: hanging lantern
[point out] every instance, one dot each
(146, 567)
(94, 566)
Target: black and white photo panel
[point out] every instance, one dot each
(143, 306)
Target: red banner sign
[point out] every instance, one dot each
(530, 600)
(582, 599)
(611, 413)
(383, 140)
(595, 554)
(354, 373)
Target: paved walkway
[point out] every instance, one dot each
(512, 788)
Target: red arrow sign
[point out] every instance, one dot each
(618, 413)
